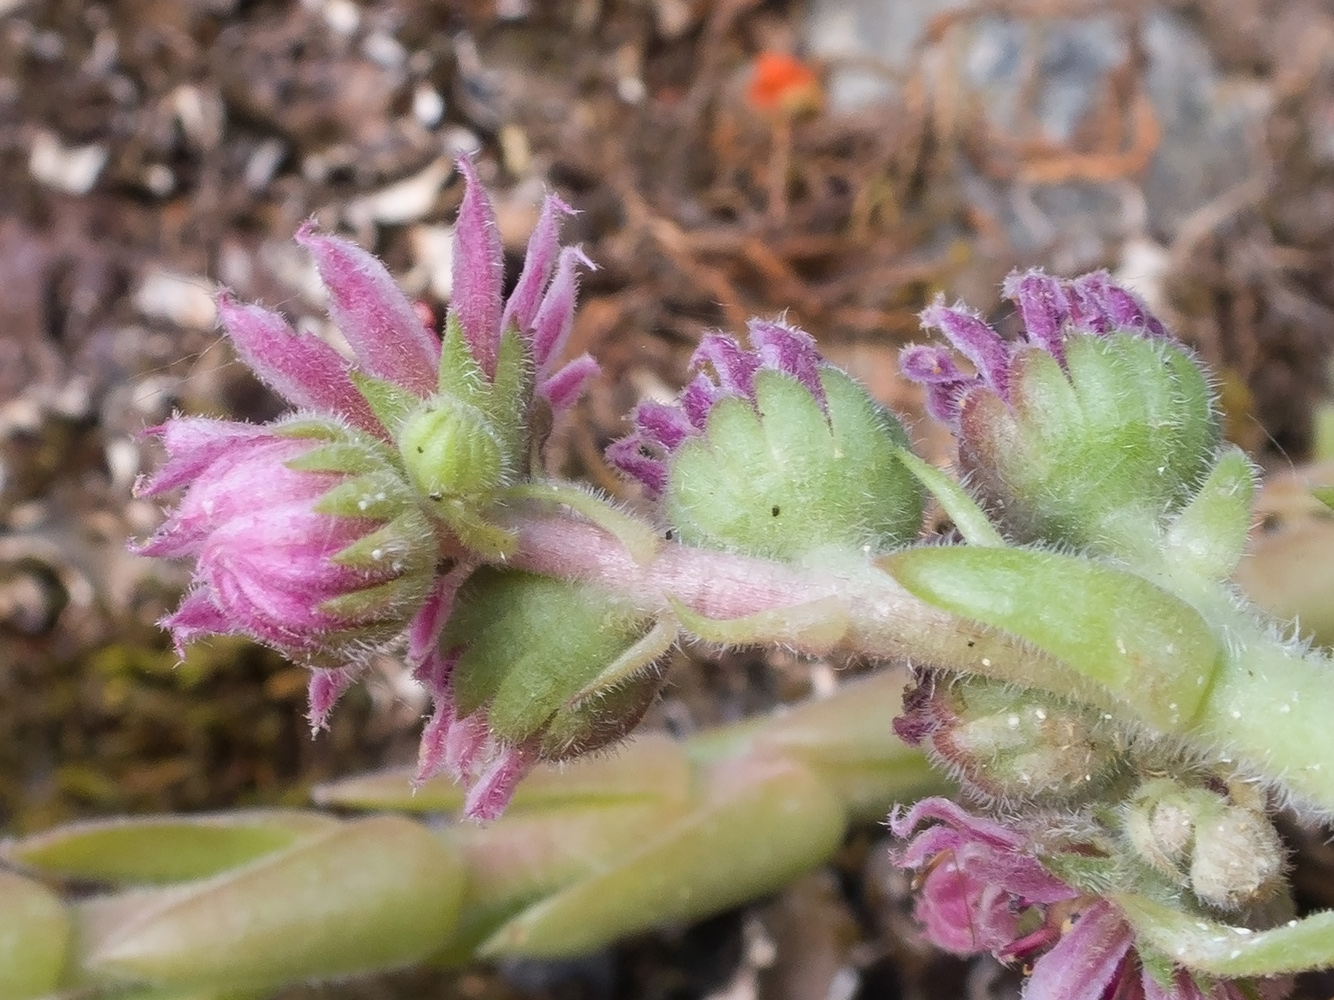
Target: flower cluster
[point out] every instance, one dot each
(982, 889)
(1095, 416)
(773, 452)
(341, 529)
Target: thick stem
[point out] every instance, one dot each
(1267, 712)
(883, 621)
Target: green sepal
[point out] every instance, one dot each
(510, 391)
(163, 849)
(1209, 536)
(314, 428)
(380, 495)
(970, 519)
(338, 456)
(1217, 949)
(474, 530)
(460, 375)
(394, 547)
(389, 401)
(1148, 649)
(781, 477)
(378, 602)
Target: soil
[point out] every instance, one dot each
(151, 150)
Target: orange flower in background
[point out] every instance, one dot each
(782, 82)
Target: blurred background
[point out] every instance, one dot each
(837, 160)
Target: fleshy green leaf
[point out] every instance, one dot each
(164, 849)
(1147, 648)
(691, 867)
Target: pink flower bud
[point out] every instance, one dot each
(271, 564)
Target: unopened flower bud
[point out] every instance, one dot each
(1010, 743)
(1238, 858)
(450, 451)
(1160, 825)
(306, 537)
(534, 668)
(1228, 854)
(1097, 416)
(774, 453)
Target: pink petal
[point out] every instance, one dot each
(197, 616)
(431, 749)
(323, 692)
(478, 271)
(699, 396)
(192, 445)
(789, 350)
(946, 385)
(538, 263)
(1087, 959)
(978, 342)
(733, 368)
(379, 322)
(627, 455)
(1045, 309)
(469, 745)
(305, 371)
(665, 426)
(429, 623)
(488, 798)
(555, 316)
(249, 476)
(563, 389)
(954, 816)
